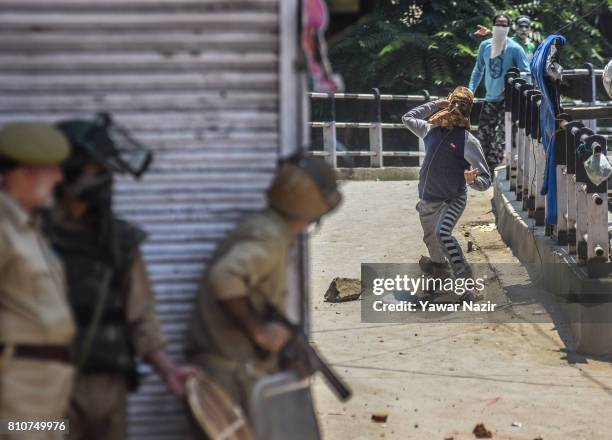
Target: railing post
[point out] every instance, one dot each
(597, 239)
(512, 74)
(514, 132)
(592, 94)
(565, 184)
(532, 136)
(376, 135)
(540, 200)
(522, 141)
(528, 161)
(582, 203)
(330, 141)
(568, 140)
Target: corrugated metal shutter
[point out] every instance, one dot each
(196, 80)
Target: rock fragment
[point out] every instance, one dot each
(343, 289)
(481, 432)
(380, 417)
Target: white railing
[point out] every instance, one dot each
(376, 151)
(582, 206)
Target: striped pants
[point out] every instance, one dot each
(438, 220)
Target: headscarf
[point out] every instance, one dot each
(457, 114)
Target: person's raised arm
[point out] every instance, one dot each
(482, 31)
(415, 121)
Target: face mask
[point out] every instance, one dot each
(522, 28)
(598, 168)
(498, 43)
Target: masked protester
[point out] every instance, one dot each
(36, 325)
(232, 336)
(108, 287)
(521, 35)
(495, 57)
(453, 160)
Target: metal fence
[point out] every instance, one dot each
(376, 151)
(582, 205)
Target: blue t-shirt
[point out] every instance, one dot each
(495, 69)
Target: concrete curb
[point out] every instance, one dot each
(590, 319)
(386, 173)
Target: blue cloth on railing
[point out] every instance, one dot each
(548, 110)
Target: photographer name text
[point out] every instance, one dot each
(428, 306)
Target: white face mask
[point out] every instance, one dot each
(522, 30)
(498, 43)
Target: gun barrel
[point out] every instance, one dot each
(342, 391)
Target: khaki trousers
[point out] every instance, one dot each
(34, 390)
(98, 407)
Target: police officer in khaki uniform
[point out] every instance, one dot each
(108, 286)
(36, 325)
(247, 275)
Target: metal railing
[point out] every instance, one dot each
(376, 151)
(582, 205)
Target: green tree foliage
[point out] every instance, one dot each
(408, 45)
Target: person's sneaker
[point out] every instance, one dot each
(425, 264)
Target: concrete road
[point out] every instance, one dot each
(437, 380)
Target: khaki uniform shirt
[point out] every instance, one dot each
(33, 310)
(33, 304)
(250, 262)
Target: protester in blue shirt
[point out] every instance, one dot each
(495, 57)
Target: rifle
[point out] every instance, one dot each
(299, 350)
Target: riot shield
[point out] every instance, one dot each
(281, 407)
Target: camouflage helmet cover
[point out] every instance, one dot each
(304, 188)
